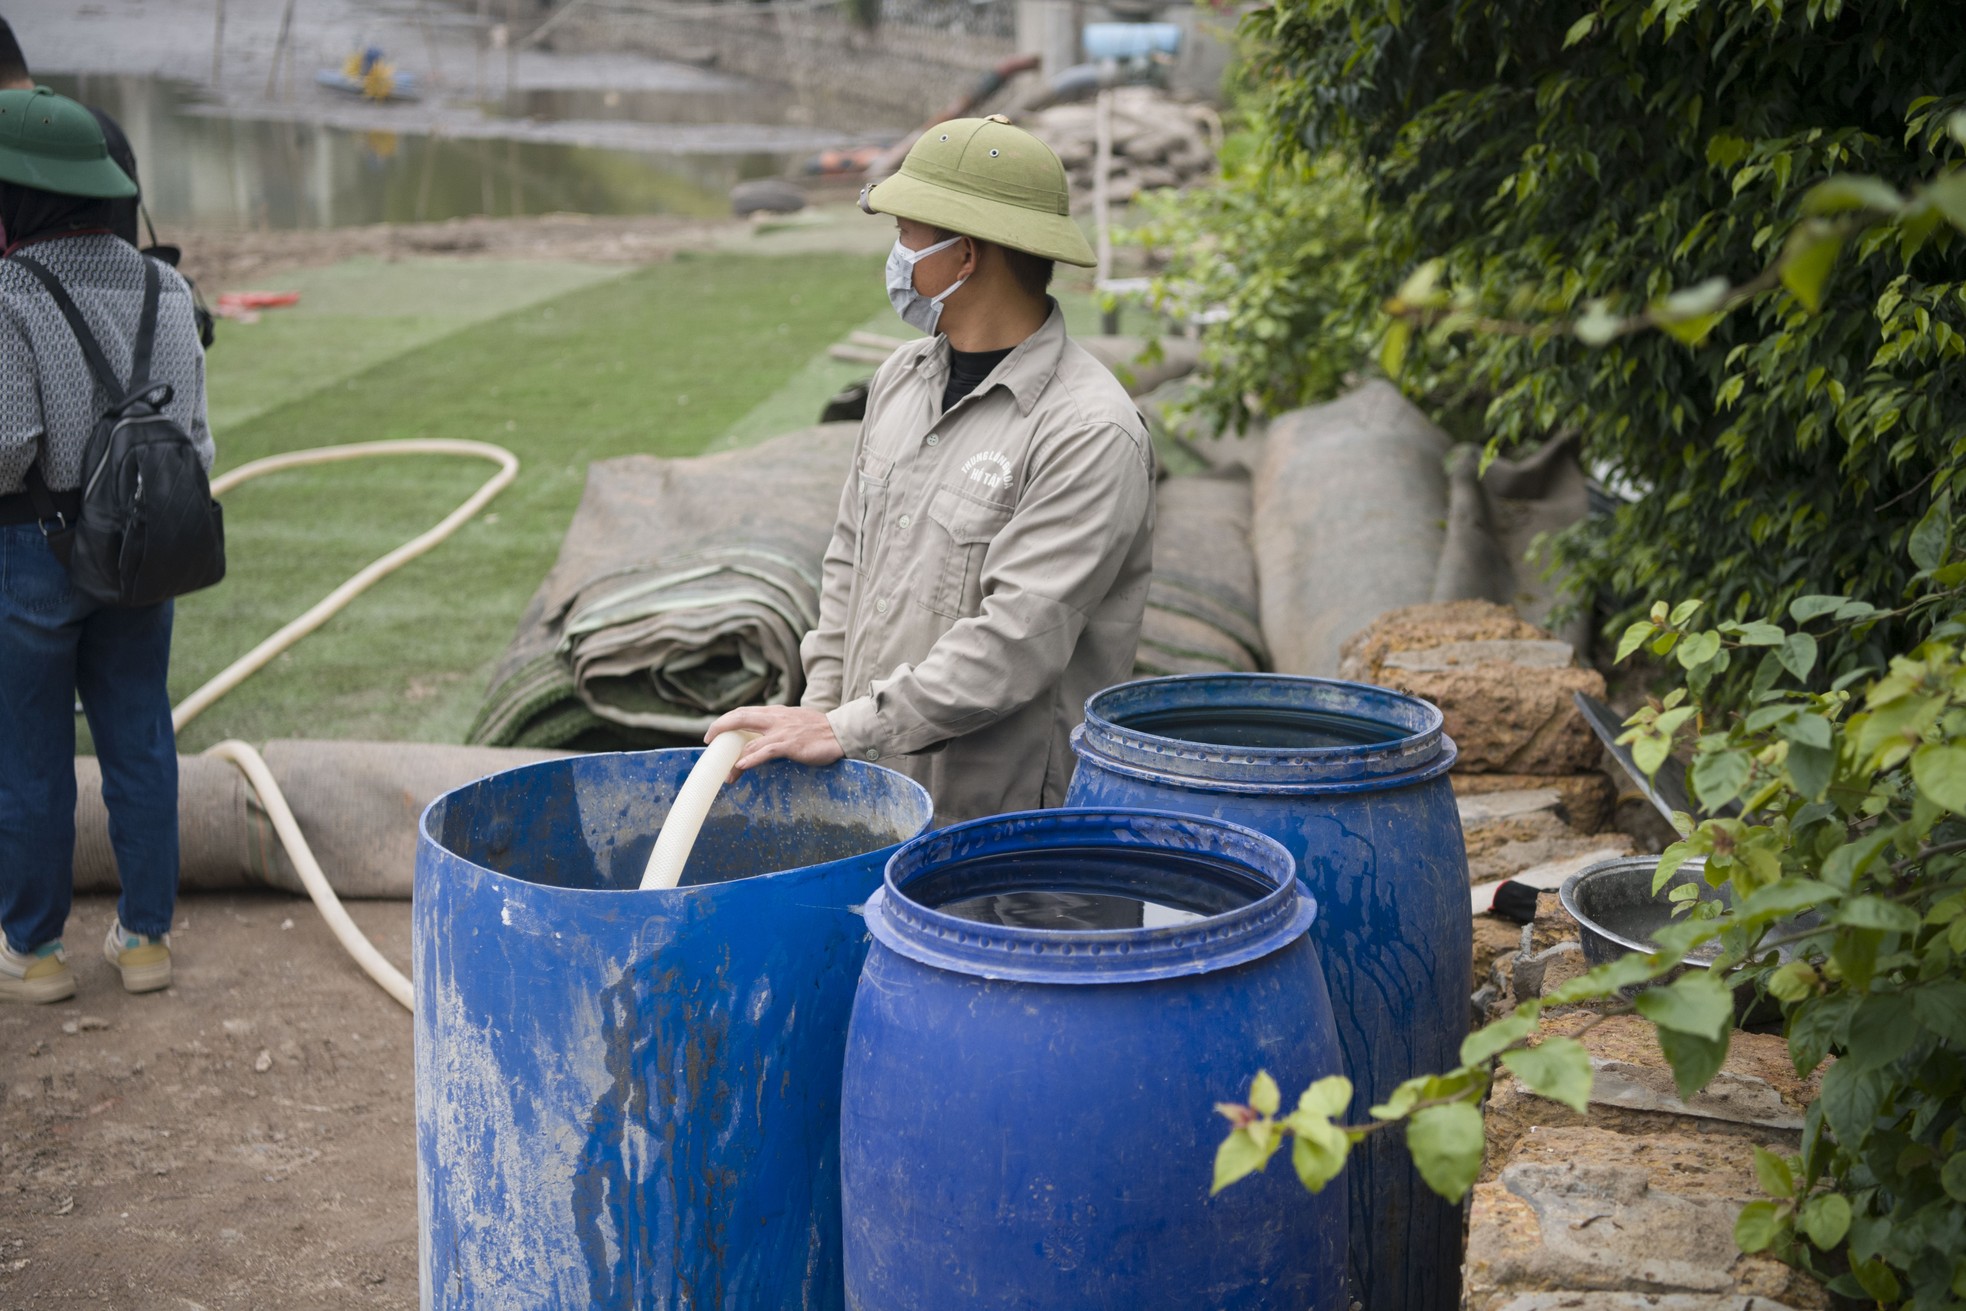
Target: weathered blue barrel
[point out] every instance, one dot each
(630, 1099)
(1054, 1003)
(1352, 780)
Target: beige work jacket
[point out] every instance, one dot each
(987, 572)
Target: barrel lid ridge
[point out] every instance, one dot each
(1422, 751)
(1090, 956)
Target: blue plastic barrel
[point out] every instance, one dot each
(1053, 1004)
(1352, 779)
(631, 1099)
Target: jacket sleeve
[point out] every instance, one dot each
(823, 650)
(1056, 558)
(21, 421)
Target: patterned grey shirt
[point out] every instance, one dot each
(45, 386)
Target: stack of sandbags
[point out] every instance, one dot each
(682, 590)
(1201, 602)
(1158, 141)
(1350, 502)
(1505, 688)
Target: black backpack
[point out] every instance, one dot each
(148, 529)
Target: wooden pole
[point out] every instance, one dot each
(218, 39)
(279, 48)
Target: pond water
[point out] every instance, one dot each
(325, 161)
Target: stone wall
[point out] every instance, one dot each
(1637, 1199)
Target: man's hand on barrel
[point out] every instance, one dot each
(787, 732)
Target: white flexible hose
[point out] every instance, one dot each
(692, 804)
(245, 757)
(246, 665)
(372, 961)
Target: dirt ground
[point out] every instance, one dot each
(245, 1139)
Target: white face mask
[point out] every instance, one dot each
(915, 309)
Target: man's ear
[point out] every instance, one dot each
(972, 258)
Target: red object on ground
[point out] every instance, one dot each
(258, 300)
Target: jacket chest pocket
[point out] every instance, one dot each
(963, 529)
(871, 485)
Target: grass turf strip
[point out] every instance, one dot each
(661, 361)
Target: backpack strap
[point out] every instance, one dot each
(91, 349)
(146, 329)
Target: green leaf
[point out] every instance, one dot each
(1329, 1096)
(1598, 326)
(1759, 634)
(1636, 636)
(1932, 537)
(1755, 1229)
(1505, 1032)
(1839, 195)
(1780, 900)
(1557, 1068)
(1793, 981)
(1579, 30)
(1693, 331)
(1773, 1174)
(1869, 912)
(1264, 1094)
(1851, 1098)
(1798, 655)
(1237, 1157)
(1696, 1003)
(1694, 1059)
(1940, 771)
(1392, 351)
(1941, 1007)
(1698, 649)
(1649, 752)
(1825, 1219)
(1719, 776)
(1683, 611)
(1953, 1177)
(1814, 606)
(1806, 266)
(1446, 1144)
(1319, 1154)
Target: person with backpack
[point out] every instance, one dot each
(105, 513)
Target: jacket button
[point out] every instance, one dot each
(880, 606)
(873, 753)
(907, 519)
(931, 440)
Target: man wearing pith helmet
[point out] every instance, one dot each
(989, 565)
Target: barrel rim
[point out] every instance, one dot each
(432, 842)
(1091, 956)
(1423, 753)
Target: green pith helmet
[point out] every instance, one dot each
(986, 179)
(51, 143)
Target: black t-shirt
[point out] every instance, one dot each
(967, 370)
(123, 212)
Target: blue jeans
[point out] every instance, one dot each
(54, 643)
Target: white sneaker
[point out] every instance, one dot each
(42, 975)
(145, 962)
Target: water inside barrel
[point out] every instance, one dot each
(1087, 888)
(1263, 727)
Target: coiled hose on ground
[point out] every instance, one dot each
(244, 756)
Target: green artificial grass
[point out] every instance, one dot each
(662, 360)
(362, 312)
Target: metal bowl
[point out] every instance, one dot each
(1615, 907)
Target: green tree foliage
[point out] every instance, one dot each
(1583, 162)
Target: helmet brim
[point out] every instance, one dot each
(96, 178)
(1046, 235)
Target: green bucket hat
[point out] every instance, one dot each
(51, 143)
(983, 178)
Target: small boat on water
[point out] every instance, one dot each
(367, 74)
